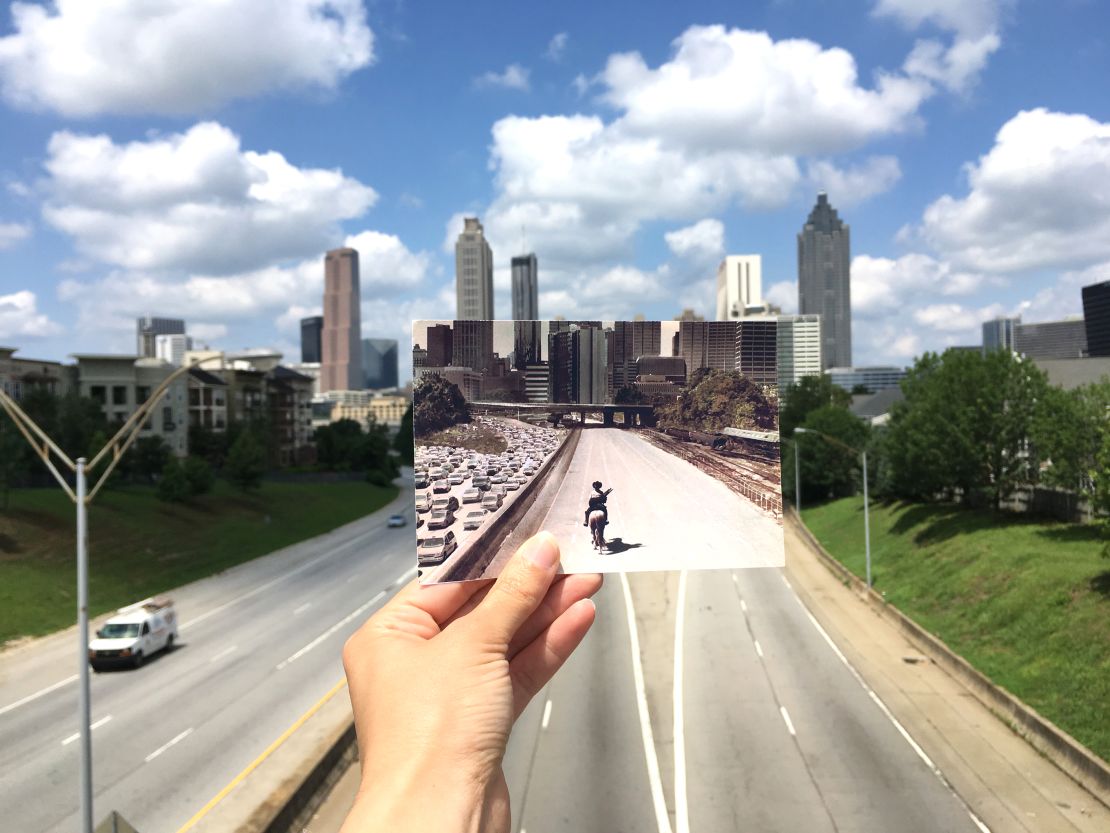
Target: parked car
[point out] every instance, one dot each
(472, 495)
(431, 551)
(421, 480)
(423, 502)
(481, 482)
(441, 519)
(474, 519)
(448, 502)
(441, 486)
(491, 502)
(455, 478)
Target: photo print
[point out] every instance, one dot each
(641, 445)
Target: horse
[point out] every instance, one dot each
(597, 528)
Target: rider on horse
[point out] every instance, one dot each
(597, 503)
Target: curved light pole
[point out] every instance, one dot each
(866, 518)
(47, 450)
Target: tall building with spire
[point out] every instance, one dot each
(525, 288)
(824, 281)
(341, 343)
(473, 273)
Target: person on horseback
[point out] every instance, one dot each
(597, 503)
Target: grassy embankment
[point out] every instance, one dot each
(1027, 602)
(139, 546)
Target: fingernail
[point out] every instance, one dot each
(544, 551)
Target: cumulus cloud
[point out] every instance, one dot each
(176, 57)
(881, 285)
(192, 201)
(12, 233)
(704, 241)
(20, 318)
(556, 47)
(513, 77)
(974, 24)
(854, 184)
(1037, 199)
(784, 295)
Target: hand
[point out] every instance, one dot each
(438, 676)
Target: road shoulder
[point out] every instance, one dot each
(1004, 781)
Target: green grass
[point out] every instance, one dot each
(139, 545)
(1027, 602)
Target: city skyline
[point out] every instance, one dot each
(214, 203)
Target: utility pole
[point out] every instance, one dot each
(47, 450)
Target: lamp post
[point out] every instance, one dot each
(866, 516)
(47, 450)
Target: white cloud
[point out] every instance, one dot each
(856, 183)
(193, 201)
(205, 332)
(514, 77)
(882, 285)
(1064, 297)
(1037, 199)
(966, 17)
(784, 295)
(176, 57)
(386, 264)
(704, 241)
(20, 318)
(12, 233)
(556, 47)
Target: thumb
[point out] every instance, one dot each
(519, 589)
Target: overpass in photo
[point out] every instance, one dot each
(633, 415)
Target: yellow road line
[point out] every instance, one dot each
(222, 794)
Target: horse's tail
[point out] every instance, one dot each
(596, 517)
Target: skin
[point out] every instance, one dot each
(437, 678)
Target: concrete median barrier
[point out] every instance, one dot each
(1080, 763)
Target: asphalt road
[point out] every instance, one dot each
(260, 645)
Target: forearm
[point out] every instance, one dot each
(399, 806)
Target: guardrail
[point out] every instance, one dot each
(1084, 766)
(483, 547)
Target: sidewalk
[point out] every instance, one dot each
(1004, 781)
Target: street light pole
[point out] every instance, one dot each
(84, 706)
(866, 520)
(797, 479)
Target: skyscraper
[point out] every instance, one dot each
(526, 343)
(341, 343)
(312, 334)
(631, 340)
(757, 348)
(799, 348)
(472, 345)
(824, 280)
(148, 328)
(525, 288)
(441, 349)
(379, 362)
(473, 273)
(1052, 339)
(578, 365)
(998, 334)
(1096, 318)
(711, 344)
(739, 286)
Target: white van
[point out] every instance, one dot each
(135, 633)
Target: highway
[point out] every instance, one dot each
(260, 644)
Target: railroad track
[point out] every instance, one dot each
(757, 481)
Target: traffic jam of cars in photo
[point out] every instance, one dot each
(459, 490)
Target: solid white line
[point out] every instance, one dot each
(681, 807)
(223, 654)
(38, 694)
(978, 822)
(329, 631)
(93, 727)
(405, 576)
(546, 714)
(786, 718)
(758, 649)
(302, 608)
(166, 746)
(743, 606)
(662, 820)
(784, 581)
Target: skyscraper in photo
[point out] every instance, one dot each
(630, 341)
(525, 287)
(341, 344)
(472, 345)
(526, 343)
(578, 365)
(711, 344)
(312, 335)
(473, 273)
(824, 280)
(441, 347)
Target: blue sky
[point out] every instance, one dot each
(195, 158)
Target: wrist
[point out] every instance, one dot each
(416, 802)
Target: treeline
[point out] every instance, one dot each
(973, 428)
(716, 399)
(437, 404)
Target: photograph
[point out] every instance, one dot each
(641, 445)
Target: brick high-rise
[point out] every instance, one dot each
(341, 345)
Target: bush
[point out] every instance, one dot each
(437, 403)
(377, 477)
(246, 462)
(173, 487)
(198, 474)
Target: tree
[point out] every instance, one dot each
(149, 457)
(809, 394)
(628, 395)
(404, 441)
(829, 469)
(1068, 430)
(721, 399)
(14, 460)
(964, 427)
(207, 444)
(860, 389)
(172, 487)
(437, 404)
(198, 475)
(246, 462)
